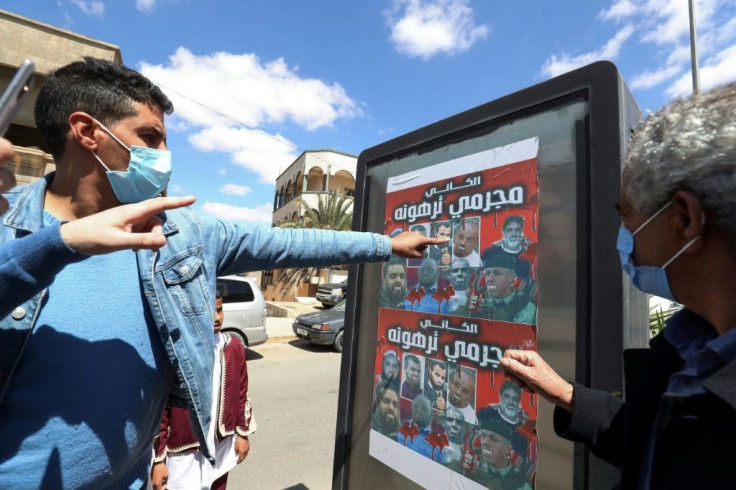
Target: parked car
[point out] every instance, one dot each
(322, 327)
(244, 308)
(331, 293)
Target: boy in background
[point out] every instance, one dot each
(178, 464)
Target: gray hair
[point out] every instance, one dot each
(689, 144)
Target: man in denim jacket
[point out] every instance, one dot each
(86, 365)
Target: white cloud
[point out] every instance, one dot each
(565, 62)
(661, 21)
(620, 10)
(649, 79)
(175, 189)
(93, 8)
(145, 5)
(249, 91)
(254, 150)
(235, 190)
(679, 55)
(665, 25)
(426, 28)
(717, 70)
(260, 214)
(222, 171)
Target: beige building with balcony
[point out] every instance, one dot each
(312, 175)
(49, 48)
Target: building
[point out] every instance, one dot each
(49, 48)
(312, 175)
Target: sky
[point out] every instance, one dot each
(256, 83)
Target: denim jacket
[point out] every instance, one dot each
(178, 282)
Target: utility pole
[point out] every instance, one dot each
(695, 67)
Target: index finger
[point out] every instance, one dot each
(436, 240)
(157, 205)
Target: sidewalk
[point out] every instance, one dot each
(279, 327)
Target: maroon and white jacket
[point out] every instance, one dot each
(234, 414)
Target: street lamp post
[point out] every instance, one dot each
(695, 68)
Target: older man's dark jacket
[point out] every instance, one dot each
(695, 434)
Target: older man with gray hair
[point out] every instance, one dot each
(676, 427)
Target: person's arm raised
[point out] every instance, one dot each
(412, 244)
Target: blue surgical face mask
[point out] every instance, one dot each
(652, 280)
(147, 176)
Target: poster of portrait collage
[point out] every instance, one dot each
(444, 414)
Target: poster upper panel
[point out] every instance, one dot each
(443, 413)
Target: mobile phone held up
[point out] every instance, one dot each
(13, 95)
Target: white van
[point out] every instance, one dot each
(244, 308)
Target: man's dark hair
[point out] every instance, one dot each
(394, 260)
(510, 385)
(383, 387)
(435, 362)
(411, 358)
(514, 218)
(103, 89)
(438, 224)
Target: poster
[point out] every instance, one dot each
(444, 415)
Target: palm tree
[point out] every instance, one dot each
(333, 212)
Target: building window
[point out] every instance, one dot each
(266, 278)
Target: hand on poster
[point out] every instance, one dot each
(531, 372)
(412, 244)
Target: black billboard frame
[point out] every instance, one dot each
(612, 111)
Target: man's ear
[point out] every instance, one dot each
(82, 129)
(687, 219)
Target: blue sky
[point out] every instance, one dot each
(347, 75)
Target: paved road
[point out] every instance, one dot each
(293, 388)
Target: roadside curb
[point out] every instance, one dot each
(281, 338)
